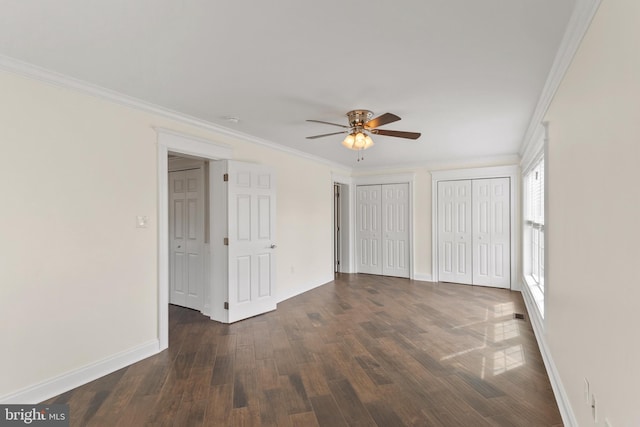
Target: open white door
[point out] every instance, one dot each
(251, 197)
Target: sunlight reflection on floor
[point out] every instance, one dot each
(507, 359)
(502, 360)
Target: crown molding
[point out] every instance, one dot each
(462, 163)
(34, 72)
(583, 13)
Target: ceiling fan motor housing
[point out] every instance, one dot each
(357, 118)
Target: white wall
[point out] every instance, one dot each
(593, 220)
(79, 280)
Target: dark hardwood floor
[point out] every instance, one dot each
(360, 351)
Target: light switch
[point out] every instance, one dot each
(142, 221)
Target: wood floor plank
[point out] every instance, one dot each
(304, 419)
(362, 350)
(219, 405)
(327, 411)
(353, 410)
(314, 380)
(222, 370)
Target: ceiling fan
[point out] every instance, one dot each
(361, 124)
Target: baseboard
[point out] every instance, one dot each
(421, 277)
(282, 296)
(72, 379)
(568, 417)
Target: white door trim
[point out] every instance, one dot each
(510, 171)
(172, 141)
(404, 178)
(348, 207)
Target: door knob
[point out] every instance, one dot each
(273, 246)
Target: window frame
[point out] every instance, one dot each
(533, 230)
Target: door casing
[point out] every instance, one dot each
(179, 143)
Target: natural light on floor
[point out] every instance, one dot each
(506, 309)
(502, 360)
(505, 330)
(507, 359)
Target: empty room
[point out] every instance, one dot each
(319, 213)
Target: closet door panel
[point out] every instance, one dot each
(395, 233)
(491, 232)
(368, 234)
(454, 231)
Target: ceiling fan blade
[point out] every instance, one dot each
(326, 134)
(384, 119)
(328, 123)
(396, 133)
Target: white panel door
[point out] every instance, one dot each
(395, 230)
(251, 193)
(368, 234)
(491, 232)
(454, 231)
(186, 231)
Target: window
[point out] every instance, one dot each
(534, 232)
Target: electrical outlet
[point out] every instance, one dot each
(586, 392)
(594, 409)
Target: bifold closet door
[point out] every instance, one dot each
(454, 232)
(368, 229)
(474, 236)
(395, 230)
(491, 232)
(383, 229)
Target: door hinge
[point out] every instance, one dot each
(225, 241)
(226, 306)
(225, 177)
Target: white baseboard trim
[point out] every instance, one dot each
(283, 296)
(568, 417)
(422, 277)
(72, 379)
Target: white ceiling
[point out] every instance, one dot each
(467, 74)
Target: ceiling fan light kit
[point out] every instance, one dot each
(361, 124)
(357, 141)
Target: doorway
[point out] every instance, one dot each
(182, 145)
(342, 226)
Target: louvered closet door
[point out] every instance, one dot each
(454, 232)
(491, 233)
